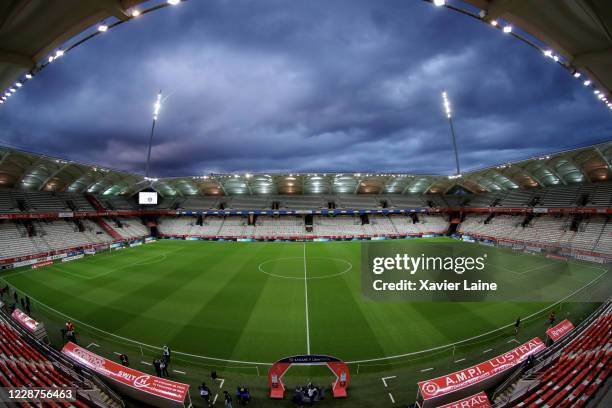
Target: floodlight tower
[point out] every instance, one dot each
(156, 109)
(449, 115)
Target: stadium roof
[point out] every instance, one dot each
(32, 172)
(578, 30)
(31, 30)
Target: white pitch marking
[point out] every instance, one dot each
(179, 372)
(306, 301)
(145, 363)
(426, 369)
(93, 344)
(222, 382)
(392, 399)
(460, 360)
(215, 399)
(486, 351)
(117, 353)
(384, 379)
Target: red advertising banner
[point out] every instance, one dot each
(42, 264)
(479, 400)
(147, 383)
(560, 330)
(25, 320)
(469, 376)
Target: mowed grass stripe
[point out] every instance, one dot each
(210, 299)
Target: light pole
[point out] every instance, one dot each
(449, 115)
(156, 109)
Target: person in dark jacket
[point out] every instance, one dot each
(157, 366)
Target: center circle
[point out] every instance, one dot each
(318, 267)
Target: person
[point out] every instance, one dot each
(166, 353)
(298, 396)
(205, 393)
(243, 396)
(69, 326)
(124, 360)
(23, 304)
(551, 319)
(157, 366)
(228, 399)
(517, 325)
(164, 368)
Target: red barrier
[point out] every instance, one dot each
(441, 389)
(479, 400)
(144, 387)
(560, 330)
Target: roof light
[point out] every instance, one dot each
(12, 90)
(51, 58)
(577, 74)
(102, 28)
(494, 23)
(597, 92)
(135, 13)
(507, 29)
(438, 3)
(28, 76)
(587, 83)
(174, 2)
(18, 84)
(548, 53)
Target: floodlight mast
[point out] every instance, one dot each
(449, 115)
(156, 109)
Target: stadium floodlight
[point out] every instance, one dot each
(156, 109)
(577, 74)
(59, 53)
(12, 90)
(174, 2)
(587, 82)
(448, 111)
(28, 76)
(439, 3)
(596, 92)
(18, 84)
(508, 29)
(102, 28)
(494, 23)
(135, 13)
(548, 53)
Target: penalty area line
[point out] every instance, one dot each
(391, 398)
(384, 379)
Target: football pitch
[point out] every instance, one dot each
(255, 303)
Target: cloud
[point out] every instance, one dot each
(311, 86)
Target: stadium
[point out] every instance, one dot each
(487, 287)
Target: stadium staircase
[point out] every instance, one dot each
(94, 202)
(23, 365)
(108, 229)
(569, 376)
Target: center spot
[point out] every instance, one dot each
(316, 267)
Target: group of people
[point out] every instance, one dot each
(307, 395)
(243, 396)
(161, 364)
(24, 300)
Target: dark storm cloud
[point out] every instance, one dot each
(308, 85)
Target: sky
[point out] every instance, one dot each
(317, 85)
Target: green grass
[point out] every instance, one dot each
(247, 302)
